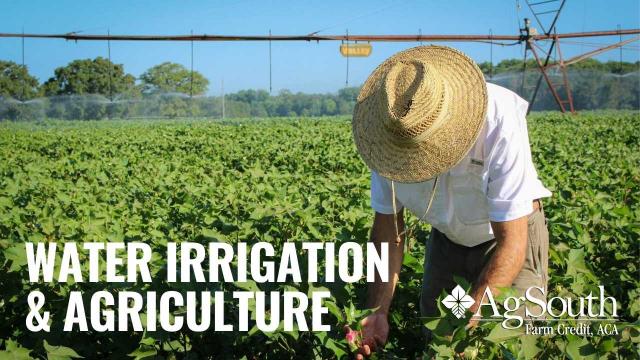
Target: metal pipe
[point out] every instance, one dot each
(592, 53)
(565, 78)
(24, 78)
(110, 68)
(191, 72)
(270, 65)
(369, 38)
(546, 77)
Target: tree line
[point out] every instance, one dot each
(99, 89)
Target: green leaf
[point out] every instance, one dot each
(60, 352)
(148, 341)
(573, 349)
(443, 351)
(499, 334)
(334, 310)
(529, 346)
(338, 349)
(606, 345)
(248, 285)
(143, 353)
(575, 262)
(15, 351)
(213, 235)
(17, 255)
(314, 232)
(580, 348)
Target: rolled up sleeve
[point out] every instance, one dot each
(381, 195)
(510, 185)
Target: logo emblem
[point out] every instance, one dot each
(458, 301)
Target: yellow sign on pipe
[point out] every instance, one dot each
(355, 50)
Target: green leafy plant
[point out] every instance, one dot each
(294, 180)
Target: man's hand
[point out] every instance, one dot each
(375, 329)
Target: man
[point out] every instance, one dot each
(455, 151)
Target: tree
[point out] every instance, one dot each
(97, 76)
(349, 94)
(172, 77)
(329, 107)
(250, 96)
(94, 79)
(16, 82)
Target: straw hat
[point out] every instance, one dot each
(419, 113)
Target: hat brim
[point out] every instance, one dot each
(446, 146)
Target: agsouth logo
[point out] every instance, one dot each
(458, 301)
(556, 307)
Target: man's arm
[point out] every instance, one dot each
(379, 293)
(375, 327)
(507, 260)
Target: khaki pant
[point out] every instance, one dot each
(445, 259)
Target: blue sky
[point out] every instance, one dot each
(299, 66)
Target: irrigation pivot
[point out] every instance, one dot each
(534, 41)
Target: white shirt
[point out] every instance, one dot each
(496, 181)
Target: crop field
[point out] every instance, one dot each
(295, 179)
